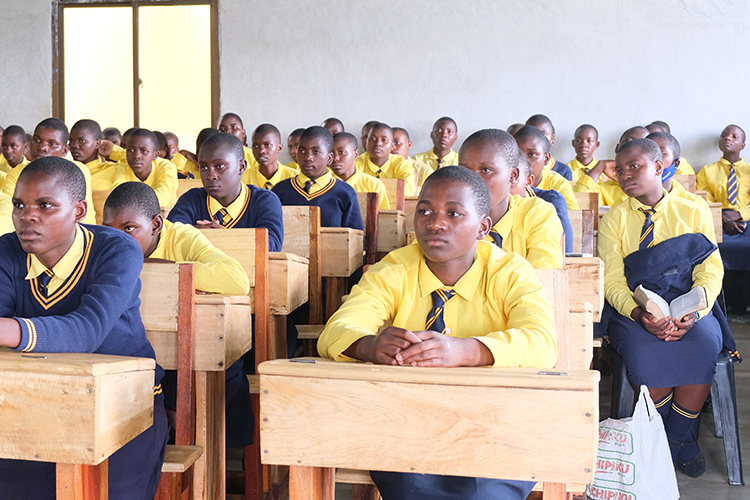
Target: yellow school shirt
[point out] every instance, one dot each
(235, 209)
(579, 169)
(64, 267)
(532, 229)
(254, 177)
(102, 174)
(610, 193)
(499, 301)
(555, 181)
(684, 168)
(713, 179)
(6, 212)
(550, 163)
(12, 178)
(118, 154)
(318, 184)
(430, 159)
(620, 231)
(293, 164)
(185, 166)
(422, 172)
(396, 167)
(678, 190)
(5, 167)
(250, 158)
(162, 179)
(215, 272)
(363, 183)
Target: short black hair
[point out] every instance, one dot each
(514, 127)
(381, 125)
(402, 129)
(138, 195)
(172, 135)
(529, 131)
(646, 146)
(479, 190)
(627, 132)
(446, 119)
(110, 131)
(90, 126)
(161, 141)
(232, 115)
(538, 119)
(660, 124)
(672, 143)
(231, 142)
(129, 132)
(349, 138)
(297, 132)
(16, 130)
(207, 133)
(144, 132)
(333, 120)
(68, 175)
(523, 164)
(370, 124)
(264, 128)
(501, 141)
(586, 126)
(318, 132)
(54, 124)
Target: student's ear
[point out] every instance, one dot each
(573, 143)
(659, 167)
(243, 166)
(356, 152)
(547, 157)
(157, 224)
(65, 149)
(281, 146)
(552, 140)
(514, 175)
(530, 180)
(677, 163)
(81, 209)
(409, 146)
(484, 227)
(26, 149)
(597, 145)
(330, 158)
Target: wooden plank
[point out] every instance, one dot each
(289, 282)
(311, 483)
(342, 249)
(82, 482)
(185, 185)
(586, 282)
(391, 230)
(589, 201)
(302, 236)
(210, 431)
(687, 181)
(717, 220)
(581, 337)
(178, 459)
(395, 191)
(239, 244)
(368, 205)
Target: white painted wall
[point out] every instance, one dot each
(487, 63)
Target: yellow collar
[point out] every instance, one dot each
(374, 168)
(550, 163)
(505, 224)
(317, 185)
(275, 178)
(660, 207)
(235, 209)
(576, 164)
(466, 286)
(64, 267)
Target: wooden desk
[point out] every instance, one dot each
(495, 423)
(101, 403)
(341, 251)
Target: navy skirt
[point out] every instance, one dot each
(735, 251)
(409, 486)
(655, 363)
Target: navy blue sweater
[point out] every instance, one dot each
(337, 201)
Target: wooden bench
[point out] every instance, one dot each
(687, 181)
(717, 220)
(582, 222)
(589, 201)
(391, 227)
(396, 192)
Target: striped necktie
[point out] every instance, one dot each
(647, 233)
(377, 174)
(496, 237)
(223, 216)
(308, 186)
(268, 185)
(732, 185)
(439, 163)
(435, 321)
(43, 280)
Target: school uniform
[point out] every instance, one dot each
(187, 168)
(6, 212)
(531, 229)
(12, 178)
(396, 167)
(498, 301)
(649, 360)
(610, 193)
(579, 169)
(685, 168)
(118, 154)
(294, 165)
(430, 159)
(162, 179)
(91, 305)
(559, 167)
(678, 190)
(363, 183)
(250, 158)
(5, 167)
(102, 174)
(337, 200)
(553, 180)
(422, 171)
(558, 201)
(256, 178)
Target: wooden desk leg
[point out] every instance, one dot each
(83, 482)
(555, 491)
(209, 478)
(311, 483)
(335, 289)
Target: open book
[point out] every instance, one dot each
(694, 300)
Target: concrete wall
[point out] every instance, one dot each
(487, 63)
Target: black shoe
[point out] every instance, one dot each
(695, 467)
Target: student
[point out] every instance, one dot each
(494, 314)
(89, 304)
(112, 134)
(144, 165)
(15, 147)
(526, 226)
(117, 153)
(661, 126)
(585, 141)
(513, 128)
(292, 142)
(51, 139)
(379, 161)
(333, 125)
(401, 147)
(345, 152)
(162, 149)
(269, 171)
(315, 185)
(544, 124)
(535, 146)
(85, 139)
(444, 135)
(173, 143)
(666, 244)
(232, 123)
(187, 162)
(365, 133)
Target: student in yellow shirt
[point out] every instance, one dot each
(292, 143)
(333, 125)
(112, 134)
(452, 300)
(85, 139)
(444, 135)
(173, 143)
(162, 148)
(527, 226)
(532, 143)
(379, 161)
(144, 165)
(268, 170)
(544, 124)
(232, 123)
(116, 152)
(187, 161)
(15, 147)
(6, 211)
(585, 142)
(365, 133)
(401, 147)
(666, 244)
(345, 152)
(684, 167)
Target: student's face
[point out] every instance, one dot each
(532, 148)
(732, 140)
(636, 173)
(221, 172)
(141, 154)
(292, 143)
(130, 220)
(380, 144)
(45, 217)
(446, 223)
(365, 135)
(401, 144)
(343, 158)
(84, 147)
(313, 157)
(546, 129)
(48, 142)
(113, 138)
(233, 126)
(666, 152)
(124, 141)
(444, 135)
(585, 143)
(14, 148)
(333, 127)
(174, 145)
(266, 148)
(491, 167)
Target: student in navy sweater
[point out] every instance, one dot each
(69, 287)
(316, 185)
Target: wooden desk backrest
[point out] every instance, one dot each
(302, 237)
(589, 201)
(410, 206)
(395, 190)
(99, 197)
(555, 288)
(369, 208)
(239, 244)
(702, 194)
(586, 282)
(687, 181)
(582, 222)
(716, 218)
(185, 185)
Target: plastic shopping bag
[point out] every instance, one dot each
(633, 462)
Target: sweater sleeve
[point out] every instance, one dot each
(267, 213)
(184, 210)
